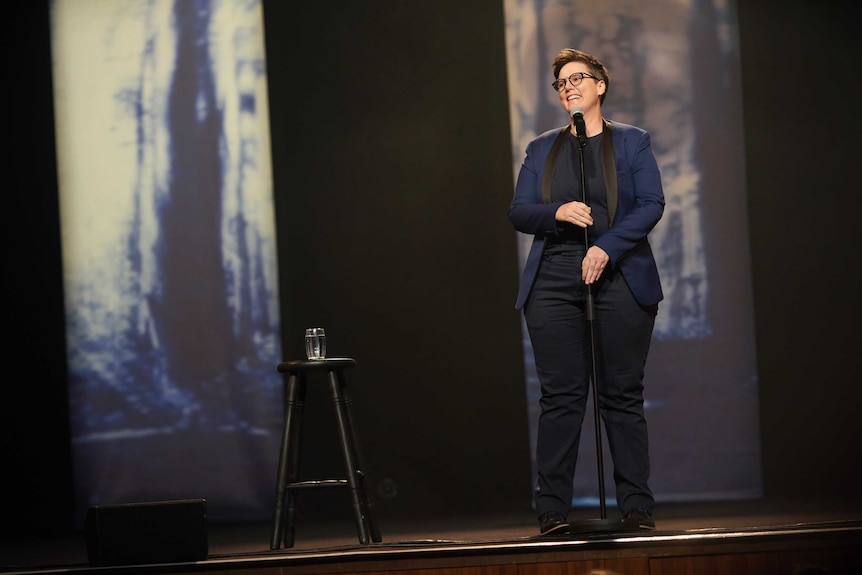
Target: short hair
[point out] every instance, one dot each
(598, 69)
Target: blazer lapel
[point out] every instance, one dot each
(551, 164)
(610, 170)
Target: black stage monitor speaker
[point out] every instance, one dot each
(143, 533)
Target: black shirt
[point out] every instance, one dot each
(566, 187)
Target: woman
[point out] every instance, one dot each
(590, 252)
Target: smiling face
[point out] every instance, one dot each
(586, 94)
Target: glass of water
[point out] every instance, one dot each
(315, 343)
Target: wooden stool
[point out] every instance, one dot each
(283, 529)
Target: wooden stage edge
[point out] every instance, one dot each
(832, 547)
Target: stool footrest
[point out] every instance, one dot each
(317, 483)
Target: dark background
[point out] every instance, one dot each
(392, 176)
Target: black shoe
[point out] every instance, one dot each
(552, 523)
(643, 518)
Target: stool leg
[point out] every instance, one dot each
(361, 511)
(372, 521)
(293, 463)
(283, 527)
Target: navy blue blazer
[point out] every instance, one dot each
(639, 208)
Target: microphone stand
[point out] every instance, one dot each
(603, 524)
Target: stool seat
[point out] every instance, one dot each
(315, 364)
(298, 372)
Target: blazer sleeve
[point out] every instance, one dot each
(527, 212)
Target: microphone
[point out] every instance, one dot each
(577, 115)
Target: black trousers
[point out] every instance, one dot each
(555, 314)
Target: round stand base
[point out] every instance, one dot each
(604, 526)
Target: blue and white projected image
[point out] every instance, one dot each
(169, 251)
(673, 71)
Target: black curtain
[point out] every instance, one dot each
(800, 80)
(393, 175)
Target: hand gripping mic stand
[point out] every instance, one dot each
(603, 524)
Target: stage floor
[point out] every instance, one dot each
(486, 532)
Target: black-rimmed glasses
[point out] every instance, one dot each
(574, 80)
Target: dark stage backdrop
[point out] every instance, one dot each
(804, 234)
(392, 174)
(800, 77)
